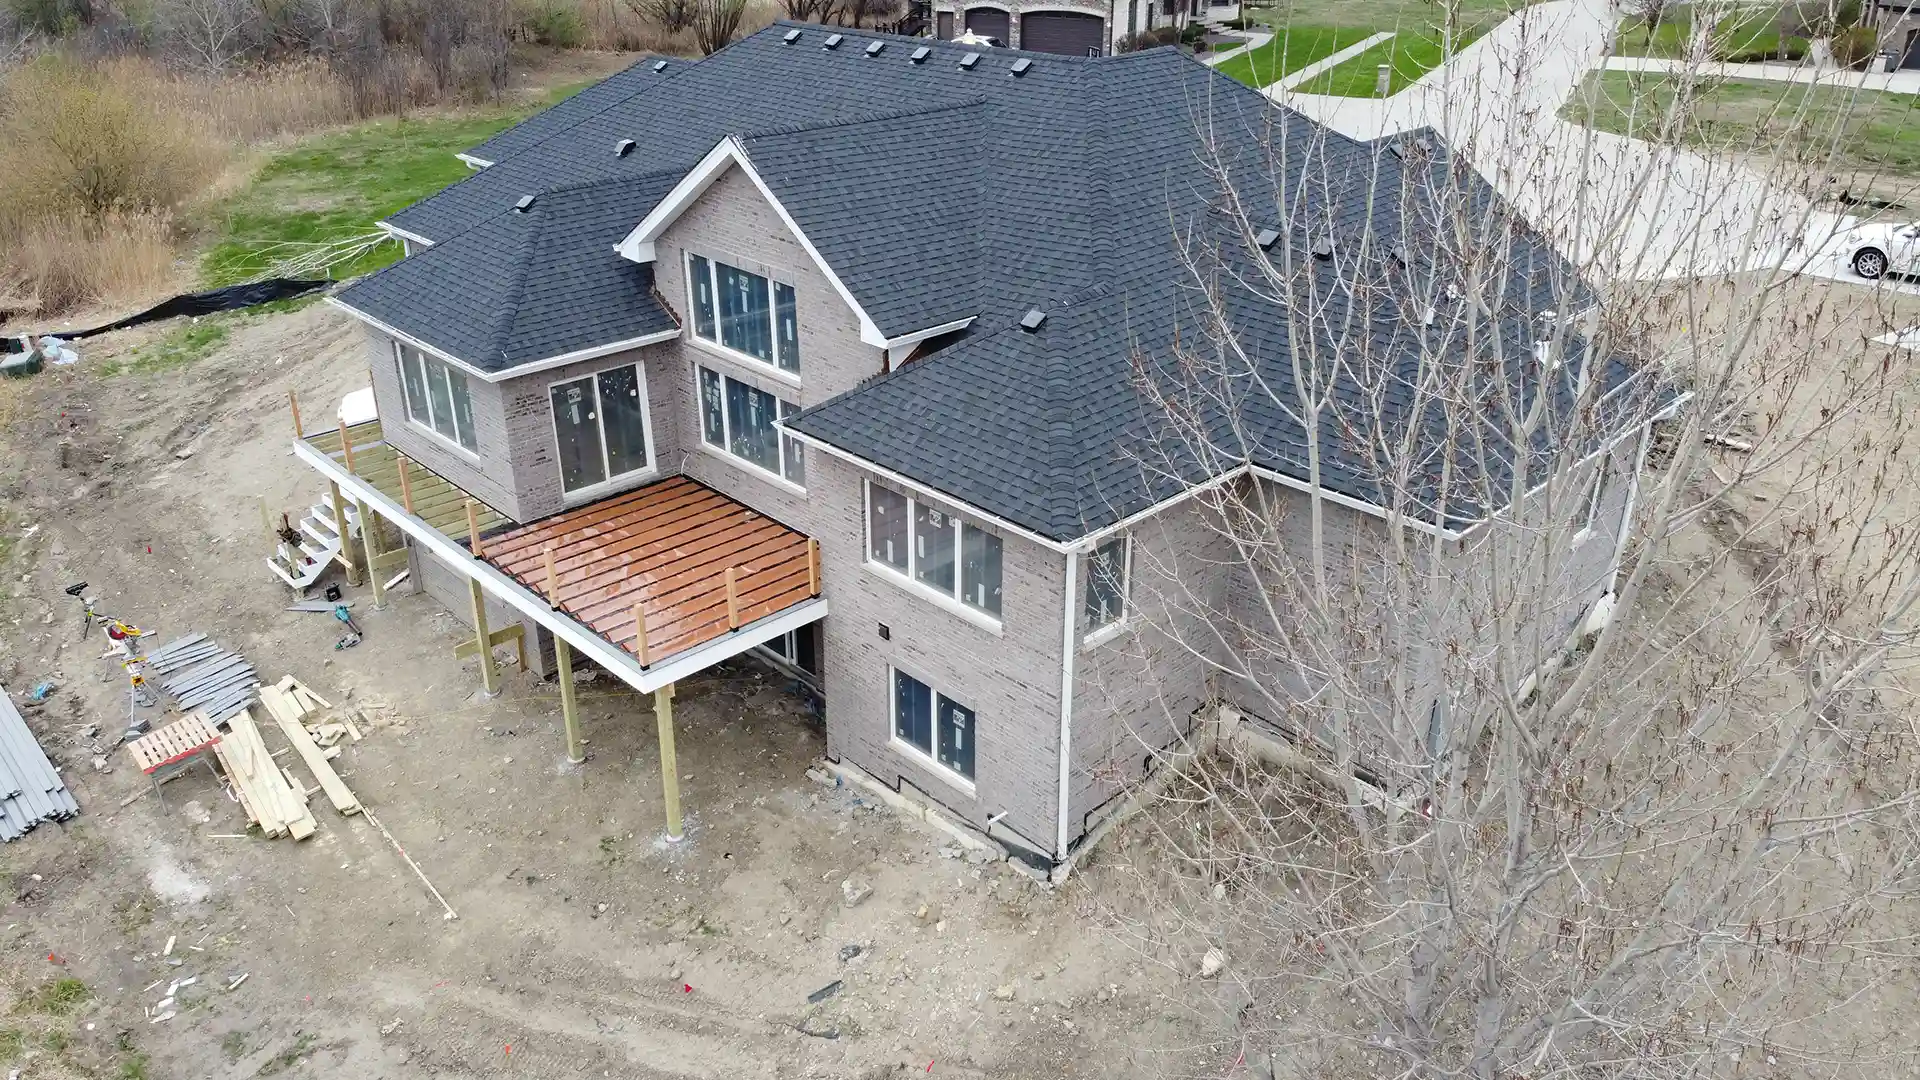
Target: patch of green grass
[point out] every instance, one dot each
(335, 187)
(60, 997)
(1398, 15)
(234, 1045)
(1409, 54)
(1743, 35)
(185, 344)
(13, 1042)
(134, 1068)
(1833, 126)
(286, 1058)
(1290, 50)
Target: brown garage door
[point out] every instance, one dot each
(1063, 32)
(990, 22)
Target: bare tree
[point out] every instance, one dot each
(1565, 726)
(673, 16)
(808, 10)
(715, 22)
(209, 35)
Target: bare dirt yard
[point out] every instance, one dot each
(585, 945)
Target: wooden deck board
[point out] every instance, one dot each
(436, 500)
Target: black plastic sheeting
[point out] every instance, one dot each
(231, 298)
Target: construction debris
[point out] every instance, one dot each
(31, 790)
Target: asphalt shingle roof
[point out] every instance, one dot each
(1097, 190)
(616, 90)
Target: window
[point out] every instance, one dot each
(744, 312)
(1107, 585)
(947, 555)
(739, 420)
(933, 724)
(600, 427)
(437, 397)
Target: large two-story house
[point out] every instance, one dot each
(832, 345)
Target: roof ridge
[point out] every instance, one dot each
(855, 119)
(510, 311)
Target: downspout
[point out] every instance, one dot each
(1067, 652)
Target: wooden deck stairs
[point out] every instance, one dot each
(300, 565)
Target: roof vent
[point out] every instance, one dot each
(833, 41)
(1544, 355)
(659, 65)
(525, 204)
(967, 61)
(1020, 66)
(874, 47)
(1430, 315)
(1323, 247)
(920, 54)
(1032, 320)
(623, 148)
(1266, 238)
(792, 36)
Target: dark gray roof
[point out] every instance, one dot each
(1092, 189)
(636, 78)
(523, 286)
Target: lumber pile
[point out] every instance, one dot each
(201, 674)
(269, 795)
(288, 702)
(31, 791)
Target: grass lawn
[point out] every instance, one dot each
(1850, 130)
(1290, 50)
(1748, 34)
(335, 186)
(1411, 55)
(1377, 15)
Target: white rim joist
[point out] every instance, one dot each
(584, 641)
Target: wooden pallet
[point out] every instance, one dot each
(174, 742)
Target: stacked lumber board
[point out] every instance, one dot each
(271, 798)
(31, 790)
(288, 702)
(200, 674)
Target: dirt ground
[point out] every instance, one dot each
(585, 944)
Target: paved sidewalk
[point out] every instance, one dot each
(1255, 39)
(1893, 82)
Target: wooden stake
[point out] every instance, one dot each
(346, 447)
(669, 763)
(553, 579)
(563, 657)
(293, 402)
(346, 534)
(370, 537)
(473, 529)
(489, 675)
(419, 873)
(640, 636)
(733, 600)
(406, 485)
(813, 566)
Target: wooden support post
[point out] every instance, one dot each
(813, 567)
(553, 579)
(293, 402)
(346, 448)
(473, 529)
(563, 657)
(489, 675)
(346, 556)
(733, 600)
(370, 538)
(669, 764)
(406, 485)
(640, 636)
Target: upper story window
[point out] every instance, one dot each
(1107, 586)
(437, 397)
(939, 551)
(600, 427)
(744, 312)
(738, 419)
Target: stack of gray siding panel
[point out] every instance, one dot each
(30, 790)
(201, 674)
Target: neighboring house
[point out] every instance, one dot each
(1899, 24)
(835, 318)
(1068, 27)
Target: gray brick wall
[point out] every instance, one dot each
(481, 474)
(527, 411)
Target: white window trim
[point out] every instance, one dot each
(1595, 492)
(714, 344)
(913, 753)
(630, 478)
(1108, 631)
(406, 401)
(950, 601)
(726, 429)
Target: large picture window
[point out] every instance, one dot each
(933, 724)
(600, 427)
(752, 315)
(1106, 585)
(738, 419)
(936, 549)
(437, 397)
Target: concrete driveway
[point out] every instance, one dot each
(1623, 206)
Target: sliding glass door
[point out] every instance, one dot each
(600, 428)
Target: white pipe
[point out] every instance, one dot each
(1066, 698)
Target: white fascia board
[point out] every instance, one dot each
(729, 154)
(399, 233)
(1352, 503)
(513, 372)
(474, 162)
(919, 336)
(503, 588)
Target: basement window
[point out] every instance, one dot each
(953, 560)
(933, 726)
(437, 397)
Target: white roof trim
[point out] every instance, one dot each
(919, 336)
(474, 162)
(601, 651)
(399, 233)
(727, 154)
(517, 370)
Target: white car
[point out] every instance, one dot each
(1874, 250)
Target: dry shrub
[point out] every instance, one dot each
(286, 99)
(65, 261)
